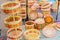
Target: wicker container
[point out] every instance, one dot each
(11, 34)
(32, 34)
(9, 6)
(57, 26)
(48, 19)
(40, 23)
(30, 3)
(45, 11)
(35, 6)
(32, 15)
(49, 31)
(29, 25)
(23, 11)
(11, 24)
(46, 7)
(21, 1)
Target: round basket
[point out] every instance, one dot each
(9, 6)
(10, 23)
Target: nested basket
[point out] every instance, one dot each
(9, 6)
(29, 25)
(10, 23)
(31, 34)
(11, 34)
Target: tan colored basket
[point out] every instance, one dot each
(11, 24)
(29, 25)
(23, 12)
(7, 7)
(13, 36)
(40, 23)
(31, 34)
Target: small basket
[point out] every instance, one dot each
(57, 26)
(40, 23)
(23, 11)
(11, 37)
(31, 34)
(29, 25)
(48, 19)
(11, 24)
(9, 6)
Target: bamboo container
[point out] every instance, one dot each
(32, 34)
(11, 24)
(11, 35)
(9, 6)
(29, 25)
